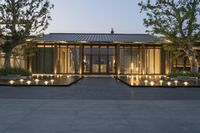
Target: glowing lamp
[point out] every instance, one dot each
(161, 82)
(186, 83)
(146, 82)
(176, 82)
(169, 83)
(11, 82)
(36, 81)
(152, 83)
(46, 82)
(28, 82)
(52, 81)
(21, 80)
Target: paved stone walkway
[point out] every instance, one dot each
(99, 105)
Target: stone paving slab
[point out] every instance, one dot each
(99, 116)
(99, 105)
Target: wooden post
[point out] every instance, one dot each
(163, 63)
(55, 59)
(81, 59)
(117, 71)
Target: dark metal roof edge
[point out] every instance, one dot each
(99, 34)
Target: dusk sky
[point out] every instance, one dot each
(96, 16)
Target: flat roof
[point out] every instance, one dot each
(97, 37)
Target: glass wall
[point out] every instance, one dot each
(42, 61)
(56, 59)
(99, 59)
(112, 61)
(153, 60)
(68, 59)
(132, 58)
(87, 59)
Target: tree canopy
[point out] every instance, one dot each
(21, 18)
(177, 20)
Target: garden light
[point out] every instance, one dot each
(46, 82)
(52, 81)
(152, 83)
(161, 82)
(169, 83)
(28, 82)
(36, 81)
(21, 80)
(11, 82)
(186, 83)
(146, 82)
(176, 82)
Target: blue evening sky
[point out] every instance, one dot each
(96, 16)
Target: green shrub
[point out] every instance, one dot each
(15, 71)
(183, 73)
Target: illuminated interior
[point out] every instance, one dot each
(97, 59)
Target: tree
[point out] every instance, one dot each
(178, 21)
(21, 18)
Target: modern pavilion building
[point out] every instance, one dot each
(99, 54)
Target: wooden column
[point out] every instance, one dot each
(55, 59)
(117, 57)
(81, 59)
(143, 60)
(163, 61)
(30, 64)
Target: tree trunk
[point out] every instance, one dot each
(7, 59)
(194, 66)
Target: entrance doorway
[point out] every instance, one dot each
(99, 59)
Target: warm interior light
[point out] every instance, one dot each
(11, 82)
(132, 66)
